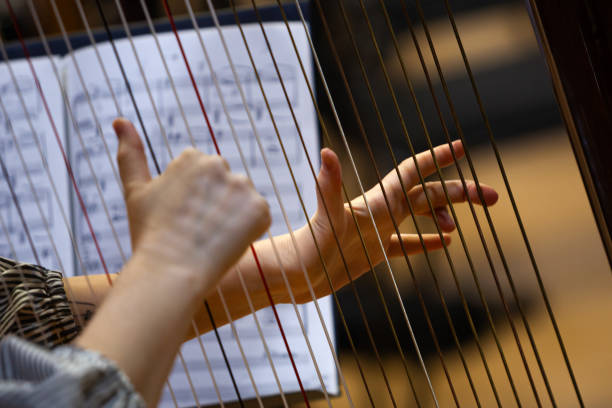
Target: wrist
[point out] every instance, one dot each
(159, 270)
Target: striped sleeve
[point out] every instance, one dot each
(32, 376)
(33, 304)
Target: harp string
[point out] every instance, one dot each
(335, 235)
(158, 169)
(117, 106)
(422, 181)
(58, 140)
(373, 161)
(239, 343)
(283, 150)
(396, 46)
(189, 380)
(170, 17)
(47, 50)
(171, 155)
(169, 14)
(341, 252)
(82, 82)
(128, 33)
(40, 210)
(14, 256)
(27, 232)
(486, 210)
(208, 365)
(15, 199)
(26, 228)
(514, 205)
(480, 232)
(42, 160)
(451, 206)
(75, 125)
(224, 354)
(188, 129)
(10, 244)
(220, 293)
(277, 194)
(127, 84)
(344, 140)
(378, 286)
(76, 128)
(281, 81)
(264, 343)
(92, 41)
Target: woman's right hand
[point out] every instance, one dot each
(197, 215)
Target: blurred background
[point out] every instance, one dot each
(516, 90)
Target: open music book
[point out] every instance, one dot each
(78, 130)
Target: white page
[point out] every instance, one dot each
(26, 141)
(176, 130)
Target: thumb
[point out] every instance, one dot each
(330, 186)
(131, 158)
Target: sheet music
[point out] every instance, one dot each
(26, 141)
(178, 138)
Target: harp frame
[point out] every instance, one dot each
(576, 40)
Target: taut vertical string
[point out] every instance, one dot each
(515, 207)
(44, 163)
(38, 205)
(82, 82)
(478, 226)
(485, 207)
(188, 129)
(152, 152)
(76, 128)
(422, 181)
(353, 287)
(345, 142)
(58, 139)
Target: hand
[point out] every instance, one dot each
(195, 216)
(330, 179)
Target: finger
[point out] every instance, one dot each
(426, 163)
(445, 221)
(412, 244)
(456, 194)
(329, 193)
(131, 158)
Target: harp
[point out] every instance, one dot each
(187, 103)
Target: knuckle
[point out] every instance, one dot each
(186, 158)
(216, 163)
(240, 182)
(122, 154)
(436, 194)
(189, 153)
(212, 165)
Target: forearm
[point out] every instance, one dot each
(149, 310)
(87, 293)
(245, 280)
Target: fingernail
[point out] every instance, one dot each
(324, 163)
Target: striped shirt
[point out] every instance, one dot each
(37, 367)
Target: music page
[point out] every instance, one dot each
(34, 205)
(173, 120)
